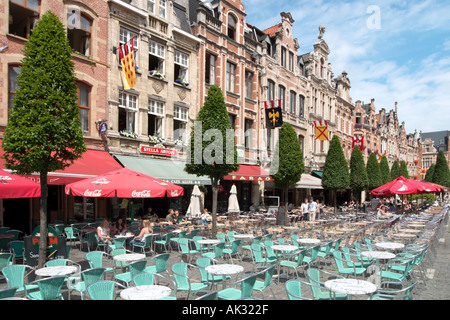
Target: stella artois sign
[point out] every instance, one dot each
(159, 151)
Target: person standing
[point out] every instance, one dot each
(312, 208)
(305, 211)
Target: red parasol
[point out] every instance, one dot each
(13, 186)
(426, 187)
(400, 185)
(124, 183)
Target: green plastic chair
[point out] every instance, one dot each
(185, 250)
(222, 237)
(70, 234)
(146, 244)
(88, 238)
(192, 234)
(7, 292)
(3, 230)
(404, 293)
(343, 269)
(242, 289)
(119, 243)
(175, 239)
(59, 228)
(266, 283)
(298, 261)
(256, 240)
(95, 260)
(89, 276)
(319, 291)
(182, 280)
(6, 259)
(234, 250)
(15, 233)
(165, 241)
(324, 251)
(258, 256)
(160, 266)
(397, 269)
(133, 269)
(15, 277)
(350, 263)
(48, 289)
(145, 278)
(230, 236)
(216, 253)
(206, 277)
(294, 289)
(312, 258)
(103, 290)
(100, 244)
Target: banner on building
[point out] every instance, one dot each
(423, 171)
(358, 141)
(380, 155)
(126, 52)
(321, 132)
(274, 115)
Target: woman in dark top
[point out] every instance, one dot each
(120, 227)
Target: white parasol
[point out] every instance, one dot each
(233, 204)
(195, 208)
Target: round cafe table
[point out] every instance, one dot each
(224, 270)
(308, 241)
(378, 255)
(390, 245)
(56, 271)
(351, 286)
(129, 257)
(244, 236)
(146, 292)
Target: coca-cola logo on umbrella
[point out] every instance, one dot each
(141, 194)
(93, 193)
(5, 179)
(100, 181)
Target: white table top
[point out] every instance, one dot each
(244, 236)
(224, 269)
(128, 257)
(308, 240)
(128, 235)
(351, 286)
(378, 255)
(208, 241)
(56, 271)
(147, 292)
(390, 245)
(284, 247)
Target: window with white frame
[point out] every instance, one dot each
(14, 72)
(292, 101)
(155, 117)
(125, 37)
(79, 30)
(151, 6)
(84, 93)
(301, 106)
(180, 118)
(282, 96)
(127, 112)
(210, 69)
(156, 58)
(291, 61)
(181, 67)
(248, 84)
(162, 8)
(231, 75)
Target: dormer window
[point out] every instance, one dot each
(231, 31)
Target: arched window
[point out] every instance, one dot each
(79, 30)
(232, 24)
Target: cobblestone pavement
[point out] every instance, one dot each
(437, 286)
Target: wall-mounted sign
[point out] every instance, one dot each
(159, 151)
(103, 128)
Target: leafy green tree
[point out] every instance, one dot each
(404, 169)
(288, 165)
(212, 148)
(395, 170)
(43, 133)
(441, 173)
(430, 173)
(385, 171)
(373, 172)
(358, 173)
(335, 172)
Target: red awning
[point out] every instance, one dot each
(249, 173)
(91, 164)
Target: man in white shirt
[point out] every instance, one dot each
(312, 207)
(304, 209)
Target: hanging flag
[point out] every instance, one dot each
(321, 130)
(126, 52)
(274, 116)
(423, 171)
(358, 141)
(380, 155)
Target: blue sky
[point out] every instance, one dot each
(392, 50)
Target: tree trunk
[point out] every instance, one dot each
(214, 184)
(43, 221)
(335, 201)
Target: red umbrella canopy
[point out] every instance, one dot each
(400, 185)
(426, 187)
(13, 186)
(124, 183)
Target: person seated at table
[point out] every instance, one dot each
(171, 217)
(103, 232)
(393, 207)
(145, 232)
(119, 227)
(205, 217)
(381, 211)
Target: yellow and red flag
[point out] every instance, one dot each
(321, 130)
(126, 52)
(423, 171)
(380, 155)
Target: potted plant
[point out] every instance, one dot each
(125, 133)
(156, 74)
(181, 82)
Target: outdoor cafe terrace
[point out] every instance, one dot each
(340, 256)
